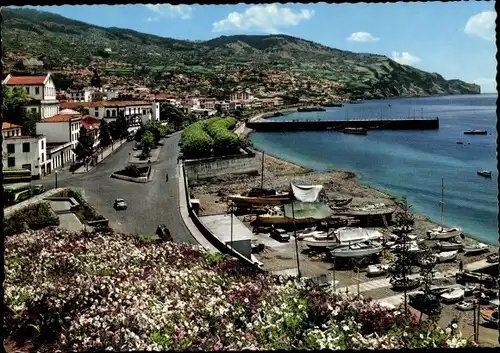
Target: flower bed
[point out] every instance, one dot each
(34, 216)
(93, 291)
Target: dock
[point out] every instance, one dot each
(339, 125)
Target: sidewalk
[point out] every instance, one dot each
(188, 222)
(101, 156)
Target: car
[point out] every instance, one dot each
(280, 234)
(120, 204)
(428, 304)
(38, 189)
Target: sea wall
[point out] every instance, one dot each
(206, 168)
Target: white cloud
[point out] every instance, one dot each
(362, 37)
(183, 12)
(152, 19)
(264, 18)
(482, 25)
(488, 85)
(405, 58)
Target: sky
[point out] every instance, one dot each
(455, 39)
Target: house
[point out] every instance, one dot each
(41, 90)
(207, 103)
(240, 95)
(223, 106)
(91, 124)
(135, 111)
(27, 152)
(61, 129)
(9, 130)
(79, 95)
(59, 154)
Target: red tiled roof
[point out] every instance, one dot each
(19, 137)
(26, 80)
(7, 126)
(90, 122)
(105, 104)
(61, 118)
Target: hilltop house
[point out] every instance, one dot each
(41, 90)
(27, 152)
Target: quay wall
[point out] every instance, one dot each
(319, 125)
(206, 168)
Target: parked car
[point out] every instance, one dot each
(38, 189)
(120, 204)
(280, 234)
(428, 304)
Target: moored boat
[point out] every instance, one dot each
(465, 305)
(357, 250)
(321, 243)
(355, 131)
(453, 295)
(444, 233)
(376, 270)
(475, 132)
(490, 315)
(398, 283)
(446, 256)
(475, 249)
(449, 246)
(310, 234)
(485, 173)
(371, 210)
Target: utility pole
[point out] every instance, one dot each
(232, 211)
(295, 236)
(262, 175)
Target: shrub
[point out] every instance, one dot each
(35, 216)
(195, 142)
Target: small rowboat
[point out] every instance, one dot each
(490, 315)
(485, 173)
(453, 296)
(446, 256)
(475, 249)
(465, 305)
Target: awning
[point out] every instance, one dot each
(301, 210)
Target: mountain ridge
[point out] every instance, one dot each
(64, 42)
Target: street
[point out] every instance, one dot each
(149, 204)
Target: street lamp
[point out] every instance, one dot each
(56, 178)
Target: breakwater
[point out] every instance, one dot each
(322, 125)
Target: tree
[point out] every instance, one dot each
(173, 115)
(104, 134)
(84, 148)
(114, 130)
(28, 125)
(147, 143)
(400, 271)
(13, 103)
(95, 80)
(82, 110)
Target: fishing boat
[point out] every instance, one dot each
(376, 270)
(446, 256)
(442, 233)
(371, 210)
(453, 295)
(398, 283)
(485, 173)
(341, 202)
(332, 104)
(490, 315)
(475, 132)
(475, 249)
(355, 131)
(321, 243)
(271, 200)
(465, 305)
(358, 250)
(310, 234)
(444, 245)
(492, 258)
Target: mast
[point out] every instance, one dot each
(442, 202)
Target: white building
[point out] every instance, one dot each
(135, 110)
(27, 152)
(41, 90)
(224, 106)
(79, 95)
(9, 130)
(61, 130)
(241, 95)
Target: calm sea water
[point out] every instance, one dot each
(411, 163)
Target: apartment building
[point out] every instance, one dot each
(27, 152)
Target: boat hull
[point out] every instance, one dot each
(370, 212)
(259, 201)
(342, 252)
(450, 246)
(447, 234)
(318, 244)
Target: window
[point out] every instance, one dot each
(113, 112)
(33, 110)
(11, 148)
(96, 114)
(26, 147)
(43, 157)
(11, 162)
(144, 112)
(42, 145)
(107, 114)
(37, 90)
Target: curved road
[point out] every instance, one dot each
(149, 204)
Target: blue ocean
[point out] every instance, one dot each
(411, 163)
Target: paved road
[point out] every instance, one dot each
(149, 204)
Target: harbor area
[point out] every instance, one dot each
(356, 211)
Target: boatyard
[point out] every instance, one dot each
(345, 212)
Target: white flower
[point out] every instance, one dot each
(448, 330)
(345, 328)
(454, 326)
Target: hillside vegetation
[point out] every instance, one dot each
(61, 42)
